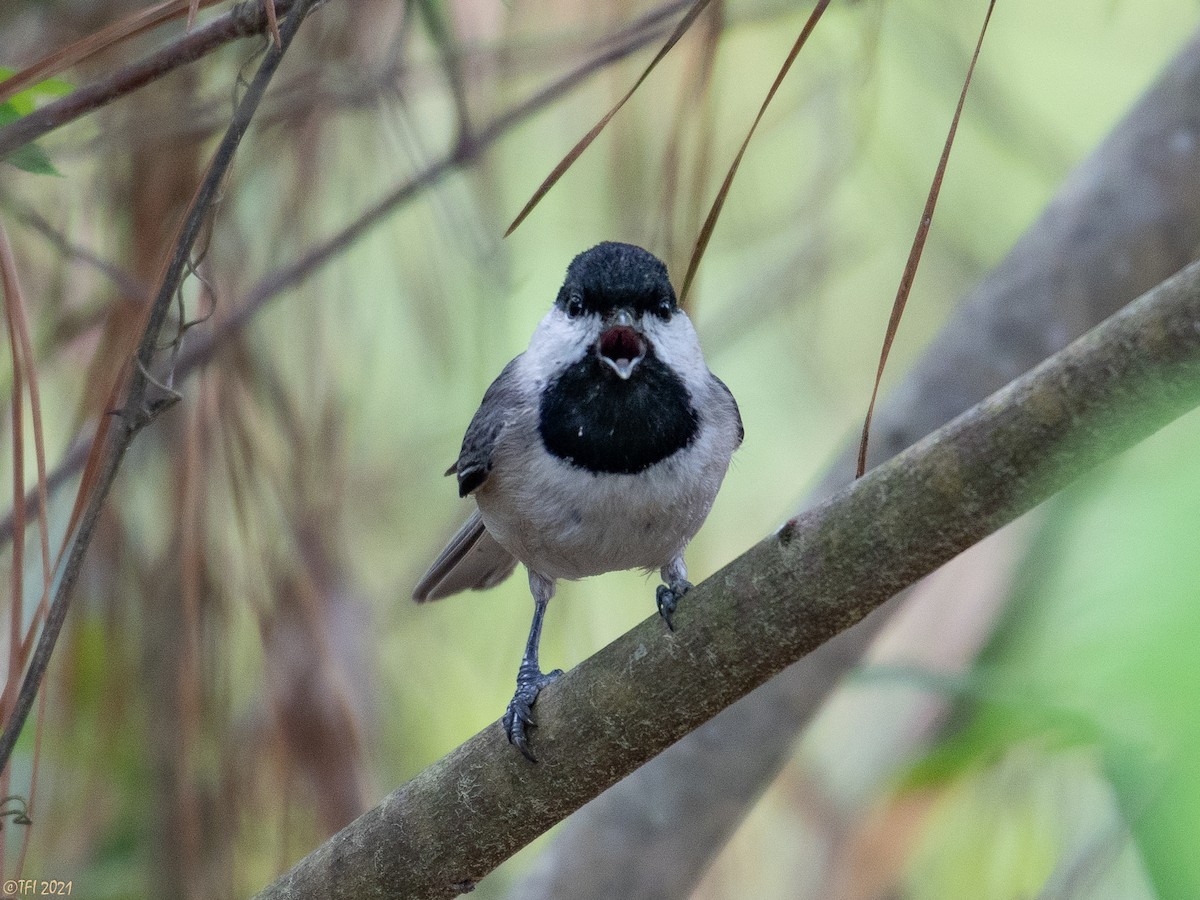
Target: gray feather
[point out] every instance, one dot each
(471, 561)
(495, 413)
(737, 413)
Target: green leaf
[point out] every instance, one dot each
(24, 102)
(31, 157)
(52, 87)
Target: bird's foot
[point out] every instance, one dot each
(667, 598)
(519, 715)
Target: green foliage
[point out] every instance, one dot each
(31, 157)
(1097, 655)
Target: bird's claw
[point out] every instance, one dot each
(519, 714)
(668, 598)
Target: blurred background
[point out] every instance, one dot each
(242, 671)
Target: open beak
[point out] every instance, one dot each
(620, 346)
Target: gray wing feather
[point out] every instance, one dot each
(500, 405)
(737, 413)
(471, 561)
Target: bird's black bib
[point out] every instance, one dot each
(600, 422)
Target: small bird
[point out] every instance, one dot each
(600, 448)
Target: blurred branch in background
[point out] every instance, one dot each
(144, 396)
(1127, 218)
(247, 18)
(138, 22)
(818, 575)
(888, 727)
(471, 146)
(20, 636)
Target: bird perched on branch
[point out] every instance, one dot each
(600, 448)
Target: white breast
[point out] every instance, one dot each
(565, 522)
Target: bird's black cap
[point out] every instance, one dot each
(612, 275)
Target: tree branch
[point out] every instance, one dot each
(245, 19)
(137, 410)
(822, 572)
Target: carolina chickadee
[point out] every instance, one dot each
(600, 448)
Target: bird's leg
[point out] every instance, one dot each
(674, 574)
(530, 678)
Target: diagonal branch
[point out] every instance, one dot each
(245, 19)
(130, 26)
(138, 410)
(821, 573)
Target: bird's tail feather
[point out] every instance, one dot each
(471, 561)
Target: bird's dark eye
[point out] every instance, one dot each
(574, 306)
(664, 308)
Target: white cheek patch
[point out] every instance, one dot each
(676, 344)
(558, 342)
